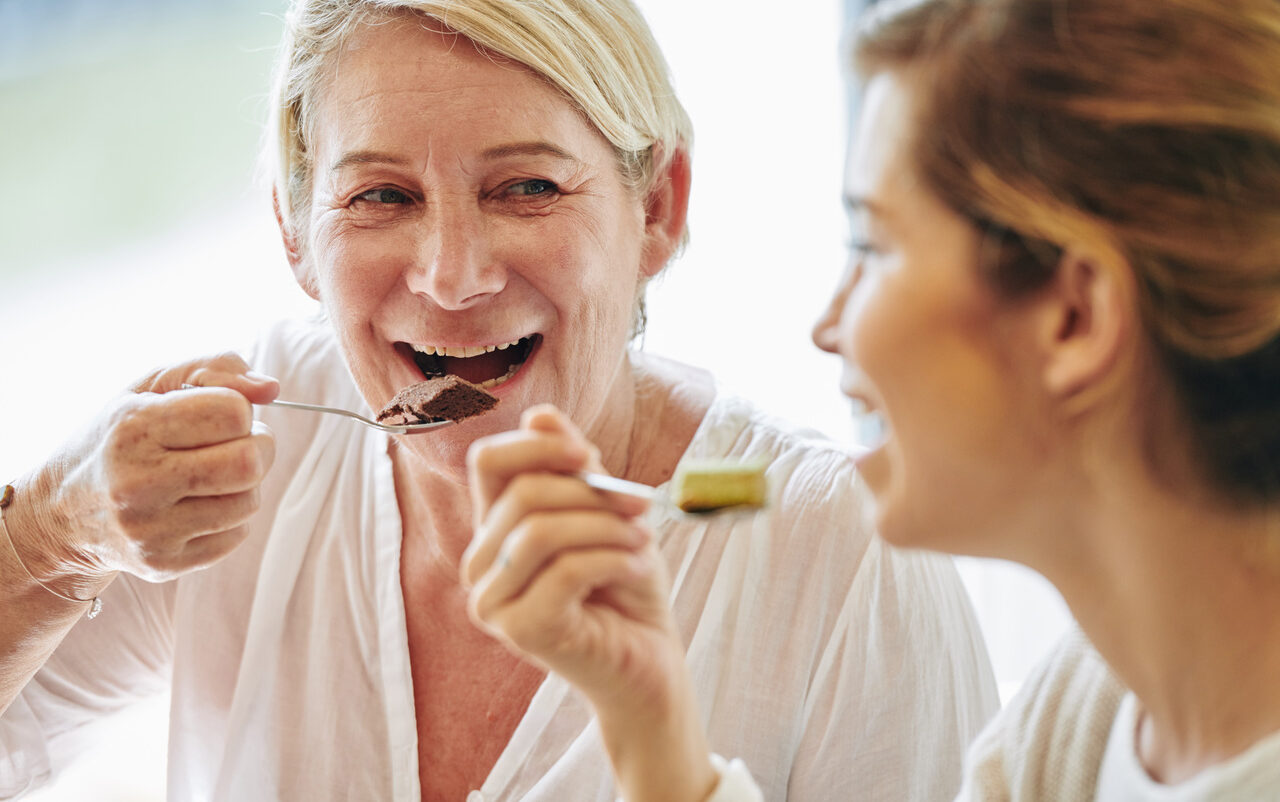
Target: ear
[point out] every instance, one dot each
(301, 271)
(666, 210)
(1085, 323)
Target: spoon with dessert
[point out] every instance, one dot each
(428, 405)
(698, 487)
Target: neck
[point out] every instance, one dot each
(1181, 595)
(435, 514)
(612, 426)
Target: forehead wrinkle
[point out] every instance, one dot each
(367, 157)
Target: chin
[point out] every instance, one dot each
(444, 452)
(896, 519)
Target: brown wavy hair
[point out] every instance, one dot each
(1146, 129)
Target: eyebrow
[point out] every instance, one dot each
(366, 157)
(538, 148)
(492, 154)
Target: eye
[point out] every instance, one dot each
(534, 187)
(384, 195)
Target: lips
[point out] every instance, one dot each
(487, 365)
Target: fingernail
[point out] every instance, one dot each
(254, 375)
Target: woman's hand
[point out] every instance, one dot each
(570, 577)
(160, 484)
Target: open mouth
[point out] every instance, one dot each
(871, 429)
(484, 366)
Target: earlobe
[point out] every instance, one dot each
(301, 272)
(1086, 326)
(666, 212)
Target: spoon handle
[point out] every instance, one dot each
(613, 484)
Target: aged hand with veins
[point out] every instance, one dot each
(160, 484)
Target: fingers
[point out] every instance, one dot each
(540, 495)
(549, 552)
(168, 541)
(158, 454)
(220, 410)
(541, 619)
(224, 370)
(171, 510)
(537, 541)
(492, 462)
(202, 417)
(225, 468)
(545, 418)
(158, 565)
(162, 482)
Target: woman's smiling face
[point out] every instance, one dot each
(928, 347)
(462, 206)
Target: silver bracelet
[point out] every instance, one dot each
(6, 498)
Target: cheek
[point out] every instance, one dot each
(870, 327)
(585, 265)
(352, 267)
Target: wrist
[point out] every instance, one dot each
(24, 528)
(660, 752)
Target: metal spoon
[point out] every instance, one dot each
(626, 487)
(400, 428)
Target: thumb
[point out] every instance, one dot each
(257, 387)
(548, 419)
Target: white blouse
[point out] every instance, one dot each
(1252, 775)
(832, 666)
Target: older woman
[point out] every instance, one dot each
(1064, 302)
(483, 189)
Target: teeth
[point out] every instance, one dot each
(463, 351)
(500, 379)
(872, 428)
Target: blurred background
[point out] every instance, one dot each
(134, 232)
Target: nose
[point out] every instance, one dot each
(826, 329)
(455, 265)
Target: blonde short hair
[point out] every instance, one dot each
(599, 53)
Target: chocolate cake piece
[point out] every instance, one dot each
(445, 397)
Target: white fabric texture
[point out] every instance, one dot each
(1252, 775)
(1047, 744)
(835, 668)
(736, 783)
(1069, 735)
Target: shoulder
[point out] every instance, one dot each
(1050, 739)
(806, 471)
(813, 534)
